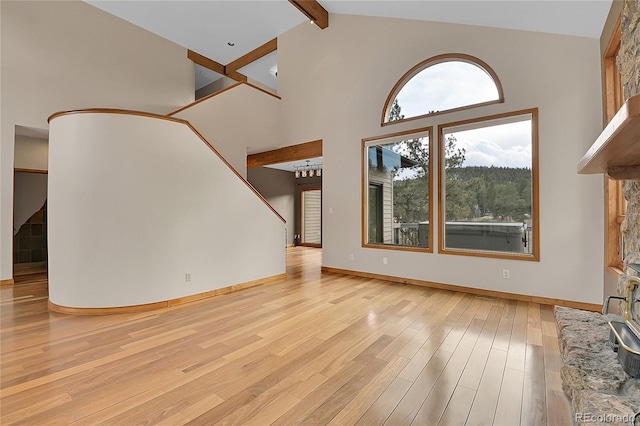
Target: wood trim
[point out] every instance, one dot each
(535, 194)
(471, 290)
(242, 178)
(115, 111)
(164, 304)
(236, 76)
(255, 54)
(262, 89)
(613, 98)
(314, 11)
(433, 61)
(204, 98)
(205, 62)
(8, 282)
(288, 153)
(398, 247)
(615, 206)
(176, 120)
(364, 191)
(22, 170)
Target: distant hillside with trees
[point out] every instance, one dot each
(473, 193)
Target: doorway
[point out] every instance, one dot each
(311, 217)
(30, 252)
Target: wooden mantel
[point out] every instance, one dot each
(616, 152)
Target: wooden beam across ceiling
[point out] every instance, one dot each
(205, 62)
(314, 11)
(216, 66)
(301, 151)
(255, 54)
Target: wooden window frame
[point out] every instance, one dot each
(366, 143)
(535, 197)
(447, 57)
(615, 203)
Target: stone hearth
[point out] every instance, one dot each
(599, 389)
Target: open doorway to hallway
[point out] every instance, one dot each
(290, 179)
(30, 249)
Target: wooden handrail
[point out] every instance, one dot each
(176, 120)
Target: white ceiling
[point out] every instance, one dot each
(207, 27)
(291, 166)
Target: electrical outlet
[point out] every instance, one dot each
(351, 257)
(187, 277)
(384, 260)
(505, 274)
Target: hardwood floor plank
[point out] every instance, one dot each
(355, 409)
(485, 403)
(534, 325)
(458, 408)
(534, 410)
(518, 340)
(510, 398)
(315, 348)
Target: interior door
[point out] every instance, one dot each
(311, 217)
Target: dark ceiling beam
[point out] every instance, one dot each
(301, 151)
(255, 54)
(205, 62)
(235, 75)
(314, 11)
(216, 66)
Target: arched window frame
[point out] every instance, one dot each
(447, 57)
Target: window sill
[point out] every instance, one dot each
(398, 248)
(492, 254)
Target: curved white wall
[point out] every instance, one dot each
(136, 202)
(92, 59)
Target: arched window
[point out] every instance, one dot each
(441, 84)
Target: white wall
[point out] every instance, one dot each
(61, 55)
(31, 193)
(279, 188)
(334, 84)
(31, 153)
(238, 119)
(137, 202)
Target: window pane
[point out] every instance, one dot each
(398, 192)
(443, 86)
(488, 185)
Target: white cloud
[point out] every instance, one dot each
(502, 145)
(445, 86)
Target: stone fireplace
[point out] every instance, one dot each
(593, 378)
(628, 61)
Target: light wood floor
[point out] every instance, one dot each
(315, 349)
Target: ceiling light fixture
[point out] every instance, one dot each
(308, 170)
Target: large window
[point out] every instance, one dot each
(440, 84)
(396, 191)
(488, 186)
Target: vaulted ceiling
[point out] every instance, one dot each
(224, 31)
